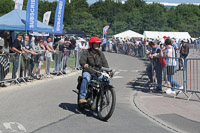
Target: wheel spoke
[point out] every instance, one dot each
(106, 104)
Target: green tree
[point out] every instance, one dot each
(6, 6)
(154, 17)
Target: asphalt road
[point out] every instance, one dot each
(49, 106)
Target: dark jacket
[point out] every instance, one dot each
(184, 49)
(95, 60)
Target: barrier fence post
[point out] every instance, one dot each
(193, 83)
(76, 60)
(18, 70)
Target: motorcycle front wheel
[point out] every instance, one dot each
(106, 103)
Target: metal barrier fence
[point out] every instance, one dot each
(185, 74)
(128, 49)
(10, 62)
(38, 65)
(167, 76)
(184, 77)
(78, 55)
(192, 77)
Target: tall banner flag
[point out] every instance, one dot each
(19, 4)
(58, 21)
(31, 15)
(69, 1)
(46, 17)
(105, 30)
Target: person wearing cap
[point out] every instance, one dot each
(82, 44)
(165, 37)
(154, 56)
(184, 51)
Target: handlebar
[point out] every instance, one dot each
(104, 69)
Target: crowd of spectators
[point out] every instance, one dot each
(29, 53)
(34, 50)
(133, 47)
(164, 53)
(165, 59)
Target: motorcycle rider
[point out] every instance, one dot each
(91, 58)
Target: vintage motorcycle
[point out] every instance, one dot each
(100, 95)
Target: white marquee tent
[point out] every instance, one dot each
(156, 34)
(129, 34)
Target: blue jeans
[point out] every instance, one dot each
(57, 59)
(172, 81)
(48, 63)
(184, 57)
(65, 62)
(149, 72)
(84, 85)
(158, 70)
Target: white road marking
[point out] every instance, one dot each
(118, 77)
(123, 70)
(117, 73)
(8, 126)
(135, 71)
(21, 127)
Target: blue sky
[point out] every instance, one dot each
(169, 1)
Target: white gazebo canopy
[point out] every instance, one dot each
(129, 34)
(160, 34)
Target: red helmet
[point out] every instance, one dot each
(94, 40)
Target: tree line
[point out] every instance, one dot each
(135, 15)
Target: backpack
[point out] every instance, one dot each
(184, 49)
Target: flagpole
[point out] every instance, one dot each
(103, 35)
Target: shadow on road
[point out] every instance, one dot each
(74, 108)
(140, 84)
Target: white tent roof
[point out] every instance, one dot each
(156, 34)
(129, 34)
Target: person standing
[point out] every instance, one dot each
(184, 51)
(171, 63)
(39, 48)
(26, 58)
(175, 46)
(17, 49)
(58, 55)
(198, 43)
(73, 41)
(65, 48)
(155, 53)
(50, 50)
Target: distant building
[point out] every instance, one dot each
(170, 5)
(166, 4)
